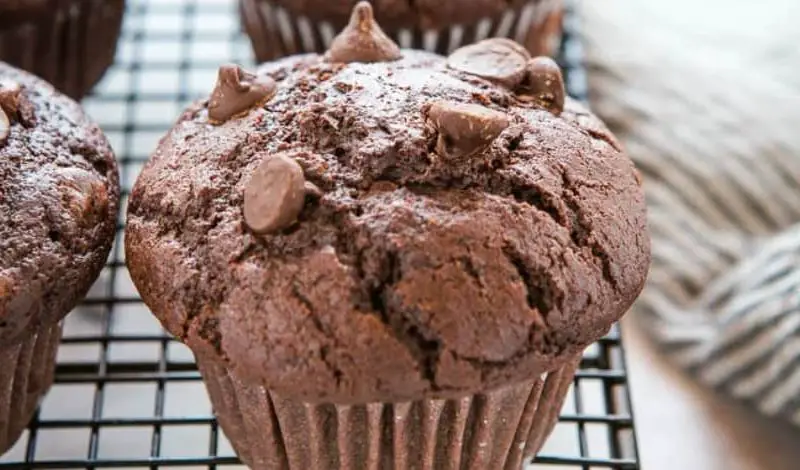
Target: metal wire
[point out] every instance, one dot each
(127, 395)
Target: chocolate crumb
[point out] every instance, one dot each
(343, 87)
(383, 186)
(483, 99)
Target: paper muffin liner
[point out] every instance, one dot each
(276, 32)
(495, 430)
(70, 45)
(25, 376)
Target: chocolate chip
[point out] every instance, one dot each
(84, 196)
(313, 190)
(5, 126)
(464, 129)
(26, 115)
(238, 91)
(275, 195)
(9, 97)
(362, 40)
(500, 60)
(544, 85)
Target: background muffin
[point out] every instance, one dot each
(58, 204)
(279, 28)
(69, 43)
(385, 258)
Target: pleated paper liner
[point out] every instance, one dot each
(275, 32)
(70, 46)
(497, 430)
(26, 373)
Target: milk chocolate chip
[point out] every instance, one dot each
(275, 195)
(84, 195)
(9, 97)
(544, 85)
(238, 91)
(5, 126)
(362, 40)
(313, 190)
(500, 60)
(464, 129)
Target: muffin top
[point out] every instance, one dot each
(382, 225)
(395, 14)
(58, 203)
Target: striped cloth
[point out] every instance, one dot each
(706, 97)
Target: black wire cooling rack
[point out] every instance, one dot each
(128, 396)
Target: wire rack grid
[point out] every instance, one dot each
(127, 395)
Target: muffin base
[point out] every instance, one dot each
(275, 32)
(70, 44)
(26, 375)
(488, 431)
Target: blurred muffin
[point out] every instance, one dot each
(69, 43)
(278, 28)
(58, 207)
(386, 258)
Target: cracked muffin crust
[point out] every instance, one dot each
(58, 203)
(458, 232)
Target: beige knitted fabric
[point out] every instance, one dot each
(706, 96)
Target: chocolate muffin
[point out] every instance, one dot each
(58, 205)
(69, 43)
(278, 28)
(386, 258)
